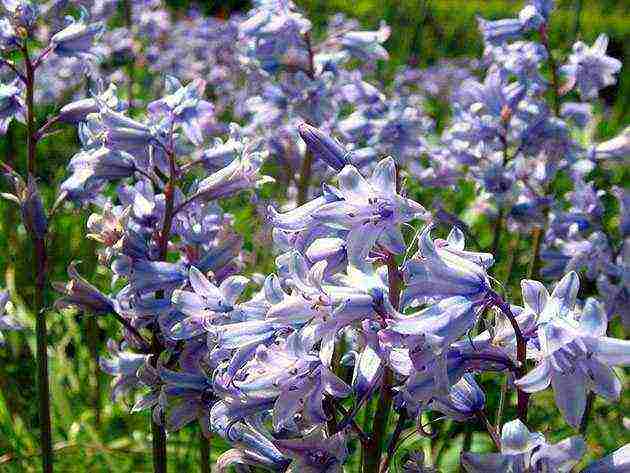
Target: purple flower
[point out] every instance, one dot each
(124, 366)
(574, 354)
(371, 209)
(184, 106)
(465, 399)
(207, 305)
(7, 322)
(316, 452)
(27, 196)
(81, 294)
(443, 268)
(617, 462)
(77, 39)
(78, 111)
(589, 69)
(11, 105)
(525, 451)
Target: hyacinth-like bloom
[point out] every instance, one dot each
(522, 450)
(184, 106)
(78, 111)
(574, 354)
(94, 167)
(465, 400)
(7, 321)
(80, 294)
(371, 209)
(11, 105)
(124, 366)
(315, 453)
(207, 305)
(77, 39)
(27, 196)
(443, 268)
(23, 12)
(589, 69)
(367, 45)
(529, 18)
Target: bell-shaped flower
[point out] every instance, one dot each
(443, 268)
(81, 294)
(206, 305)
(124, 366)
(316, 452)
(184, 105)
(78, 38)
(7, 321)
(27, 196)
(241, 174)
(91, 168)
(572, 350)
(522, 450)
(189, 397)
(371, 209)
(151, 276)
(77, 111)
(366, 45)
(465, 400)
(589, 69)
(11, 105)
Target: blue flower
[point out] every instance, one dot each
(525, 451)
(77, 39)
(7, 322)
(443, 269)
(11, 105)
(589, 69)
(572, 350)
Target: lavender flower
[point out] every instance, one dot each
(77, 39)
(7, 322)
(525, 451)
(573, 353)
(11, 105)
(589, 69)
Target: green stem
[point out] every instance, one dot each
(532, 268)
(393, 443)
(40, 257)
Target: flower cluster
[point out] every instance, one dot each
(367, 302)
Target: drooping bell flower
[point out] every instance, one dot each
(78, 38)
(525, 451)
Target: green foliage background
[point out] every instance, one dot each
(93, 434)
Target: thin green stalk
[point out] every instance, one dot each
(532, 268)
(92, 338)
(499, 417)
(393, 443)
(40, 258)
